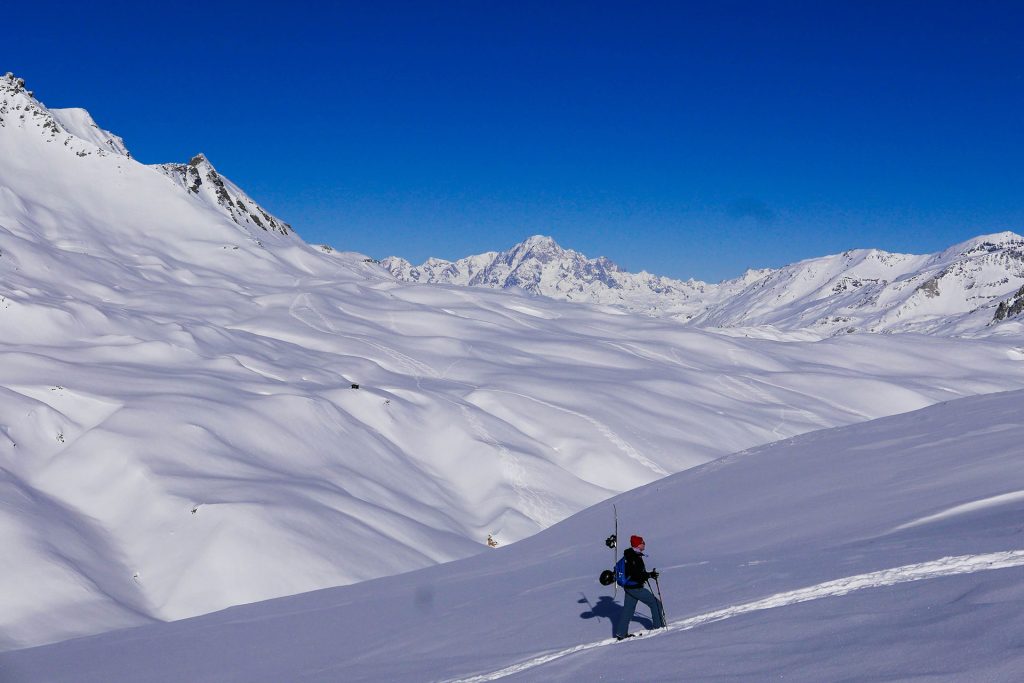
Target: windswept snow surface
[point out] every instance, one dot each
(178, 427)
(819, 558)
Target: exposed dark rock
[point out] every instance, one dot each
(1010, 308)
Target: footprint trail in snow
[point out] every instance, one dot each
(946, 566)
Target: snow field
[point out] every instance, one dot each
(759, 552)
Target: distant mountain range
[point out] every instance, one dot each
(972, 288)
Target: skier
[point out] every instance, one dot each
(636, 577)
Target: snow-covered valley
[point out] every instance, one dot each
(199, 410)
(886, 550)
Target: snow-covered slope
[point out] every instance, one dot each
(179, 430)
(887, 550)
(954, 292)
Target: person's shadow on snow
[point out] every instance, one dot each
(607, 608)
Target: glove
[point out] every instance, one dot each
(654, 575)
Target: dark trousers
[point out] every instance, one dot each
(633, 595)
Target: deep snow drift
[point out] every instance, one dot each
(887, 550)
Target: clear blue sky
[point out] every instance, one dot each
(686, 139)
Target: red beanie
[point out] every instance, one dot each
(635, 541)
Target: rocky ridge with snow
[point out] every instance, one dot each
(79, 123)
(954, 292)
(75, 129)
(201, 179)
(72, 128)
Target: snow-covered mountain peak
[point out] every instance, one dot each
(538, 245)
(18, 106)
(74, 128)
(544, 242)
(80, 123)
(542, 250)
(202, 180)
(12, 86)
(541, 266)
(985, 244)
(74, 132)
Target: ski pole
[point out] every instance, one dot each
(664, 617)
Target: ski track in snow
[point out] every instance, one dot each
(753, 386)
(601, 427)
(536, 507)
(305, 302)
(946, 566)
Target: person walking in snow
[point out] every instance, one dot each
(636, 576)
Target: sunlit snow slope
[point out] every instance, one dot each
(178, 427)
(888, 550)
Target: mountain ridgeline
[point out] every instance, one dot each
(75, 130)
(972, 288)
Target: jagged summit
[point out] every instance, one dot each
(539, 244)
(13, 85)
(202, 180)
(74, 128)
(76, 132)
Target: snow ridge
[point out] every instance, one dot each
(73, 128)
(202, 180)
(80, 123)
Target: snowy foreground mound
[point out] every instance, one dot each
(887, 550)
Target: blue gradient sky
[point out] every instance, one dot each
(686, 139)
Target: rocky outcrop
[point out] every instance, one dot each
(199, 178)
(1010, 308)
